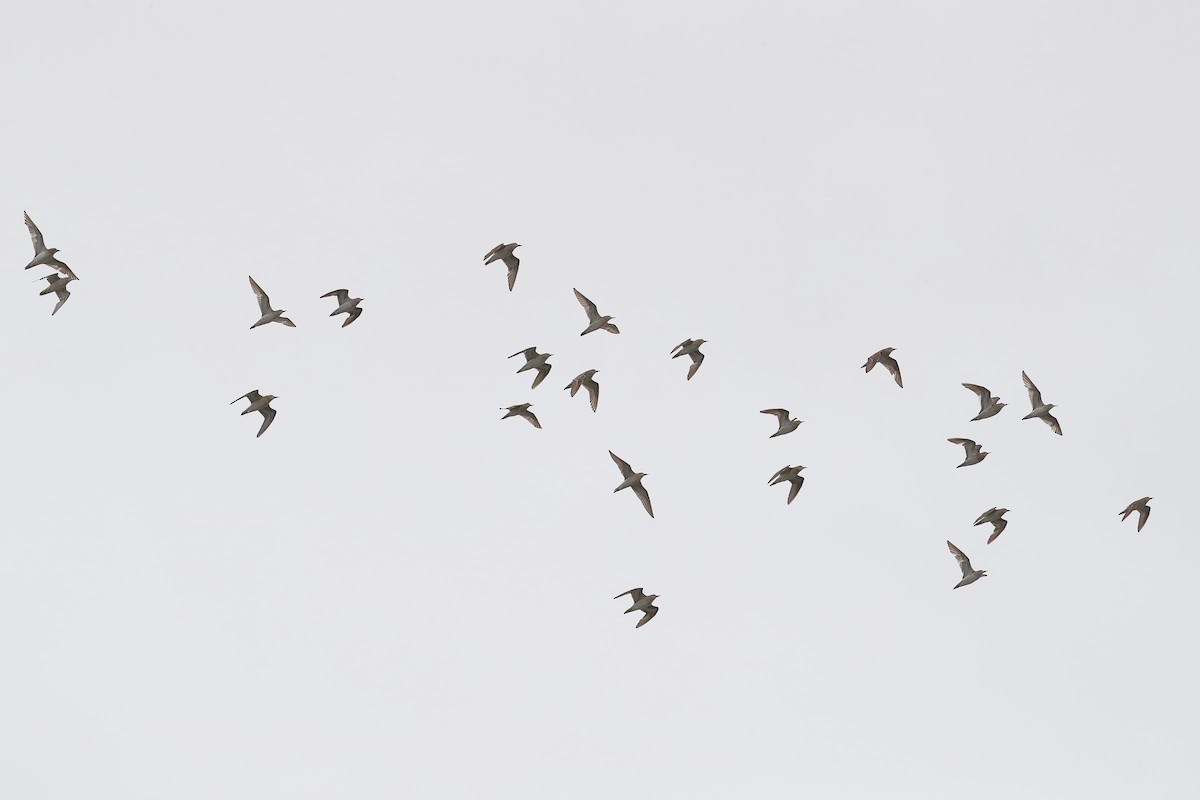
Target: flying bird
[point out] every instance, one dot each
(996, 517)
(504, 252)
(633, 479)
(586, 380)
(641, 602)
(596, 322)
(522, 410)
(884, 357)
(792, 475)
(534, 360)
(690, 348)
(988, 406)
(974, 453)
(1041, 409)
(264, 305)
(786, 424)
(42, 255)
(58, 284)
(969, 575)
(262, 404)
(346, 305)
(1140, 507)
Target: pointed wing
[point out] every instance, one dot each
(352, 315)
(649, 615)
(1050, 420)
(779, 413)
(998, 526)
(512, 262)
(63, 294)
(342, 295)
(492, 252)
(62, 267)
(626, 470)
(1143, 515)
(771, 482)
(608, 326)
(574, 385)
(268, 417)
(797, 482)
(593, 390)
(635, 594)
(1035, 397)
(964, 563)
(253, 396)
(644, 496)
(264, 302)
(39, 244)
(985, 397)
(680, 346)
(893, 367)
(697, 360)
(533, 420)
(983, 517)
(588, 305)
(542, 372)
(528, 352)
(967, 444)
(285, 321)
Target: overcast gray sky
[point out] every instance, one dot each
(393, 593)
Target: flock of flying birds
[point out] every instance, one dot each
(990, 405)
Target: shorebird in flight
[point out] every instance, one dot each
(262, 404)
(42, 255)
(522, 410)
(1140, 507)
(974, 453)
(504, 252)
(996, 517)
(586, 380)
(884, 357)
(690, 348)
(1041, 409)
(969, 575)
(346, 305)
(264, 306)
(596, 322)
(786, 423)
(632, 479)
(534, 360)
(58, 284)
(791, 475)
(641, 602)
(988, 406)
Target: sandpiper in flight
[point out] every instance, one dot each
(58, 284)
(974, 453)
(522, 410)
(264, 306)
(996, 517)
(534, 360)
(262, 404)
(504, 252)
(989, 406)
(346, 305)
(596, 321)
(791, 475)
(969, 575)
(690, 348)
(786, 423)
(1140, 507)
(884, 357)
(1041, 409)
(42, 255)
(586, 380)
(634, 480)
(641, 602)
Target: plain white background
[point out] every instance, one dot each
(393, 593)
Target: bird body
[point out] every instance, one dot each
(504, 252)
(1139, 506)
(586, 380)
(1041, 409)
(690, 348)
(522, 410)
(969, 574)
(989, 406)
(974, 453)
(786, 423)
(534, 360)
(264, 306)
(641, 602)
(632, 480)
(346, 305)
(262, 404)
(884, 357)
(596, 321)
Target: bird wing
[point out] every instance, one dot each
(528, 352)
(527, 414)
(342, 295)
(983, 517)
(512, 262)
(680, 346)
(771, 482)
(574, 385)
(1050, 420)
(268, 417)
(779, 413)
(62, 267)
(63, 294)
(1143, 515)
(796, 482)
(644, 496)
(1035, 397)
(593, 389)
(893, 367)
(39, 244)
(998, 527)
(622, 465)
(352, 315)
(252, 395)
(492, 252)
(964, 563)
(636, 594)
(588, 305)
(542, 372)
(985, 397)
(648, 615)
(264, 302)
(968, 444)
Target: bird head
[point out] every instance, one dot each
(642, 475)
(887, 351)
(51, 250)
(652, 597)
(270, 397)
(1000, 511)
(983, 573)
(700, 341)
